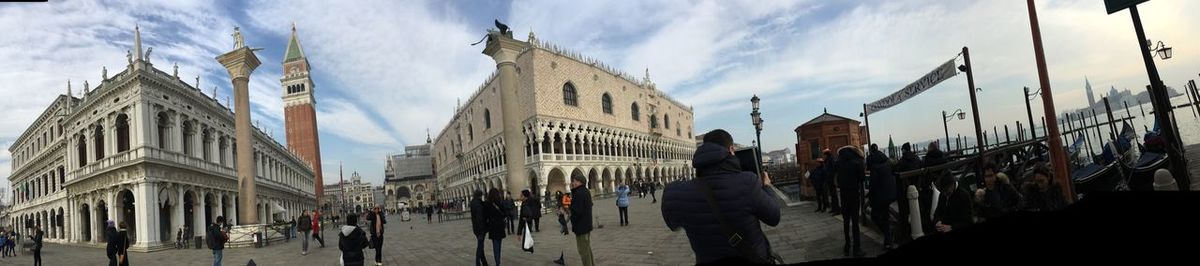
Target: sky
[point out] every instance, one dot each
(388, 71)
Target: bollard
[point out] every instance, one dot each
(1163, 181)
(914, 212)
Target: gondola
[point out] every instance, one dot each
(1095, 177)
(1141, 173)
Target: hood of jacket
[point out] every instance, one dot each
(714, 156)
(347, 229)
(709, 154)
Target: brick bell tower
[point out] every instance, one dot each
(300, 114)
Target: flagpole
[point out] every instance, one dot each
(342, 187)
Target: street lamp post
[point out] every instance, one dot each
(756, 119)
(1158, 94)
(946, 121)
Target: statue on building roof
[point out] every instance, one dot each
(129, 56)
(103, 73)
(176, 72)
(148, 50)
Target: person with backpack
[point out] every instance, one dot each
(217, 236)
(304, 224)
(351, 241)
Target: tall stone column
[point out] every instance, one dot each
(240, 63)
(146, 214)
(504, 50)
(177, 221)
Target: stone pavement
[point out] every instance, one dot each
(801, 236)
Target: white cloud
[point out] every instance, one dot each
(347, 121)
(402, 64)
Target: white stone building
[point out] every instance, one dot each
(577, 117)
(144, 148)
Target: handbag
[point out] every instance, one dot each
(527, 241)
(735, 239)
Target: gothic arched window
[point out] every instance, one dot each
(606, 103)
(569, 95)
(633, 109)
(487, 118)
(667, 121)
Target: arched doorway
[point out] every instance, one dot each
(164, 214)
(403, 194)
(125, 209)
(606, 181)
(225, 205)
(533, 183)
(209, 204)
(629, 177)
(556, 182)
(101, 219)
(85, 222)
(189, 213)
(594, 182)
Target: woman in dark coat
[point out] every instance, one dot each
(496, 224)
(883, 192)
(110, 233)
(37, 246)
(850, 176)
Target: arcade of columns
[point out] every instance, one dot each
(561, 148)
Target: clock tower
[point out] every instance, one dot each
(300, 114)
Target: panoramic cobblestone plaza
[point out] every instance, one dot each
(801, 236)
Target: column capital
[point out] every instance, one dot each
(503, 49)
(239, 62)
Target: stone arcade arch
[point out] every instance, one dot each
(85, 225)
(593, 183)
(126, 213)
(556, 181)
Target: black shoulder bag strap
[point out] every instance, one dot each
(735, 239)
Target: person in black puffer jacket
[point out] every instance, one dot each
(351, 241)
(743, 199)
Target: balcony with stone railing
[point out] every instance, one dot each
(151, 154)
